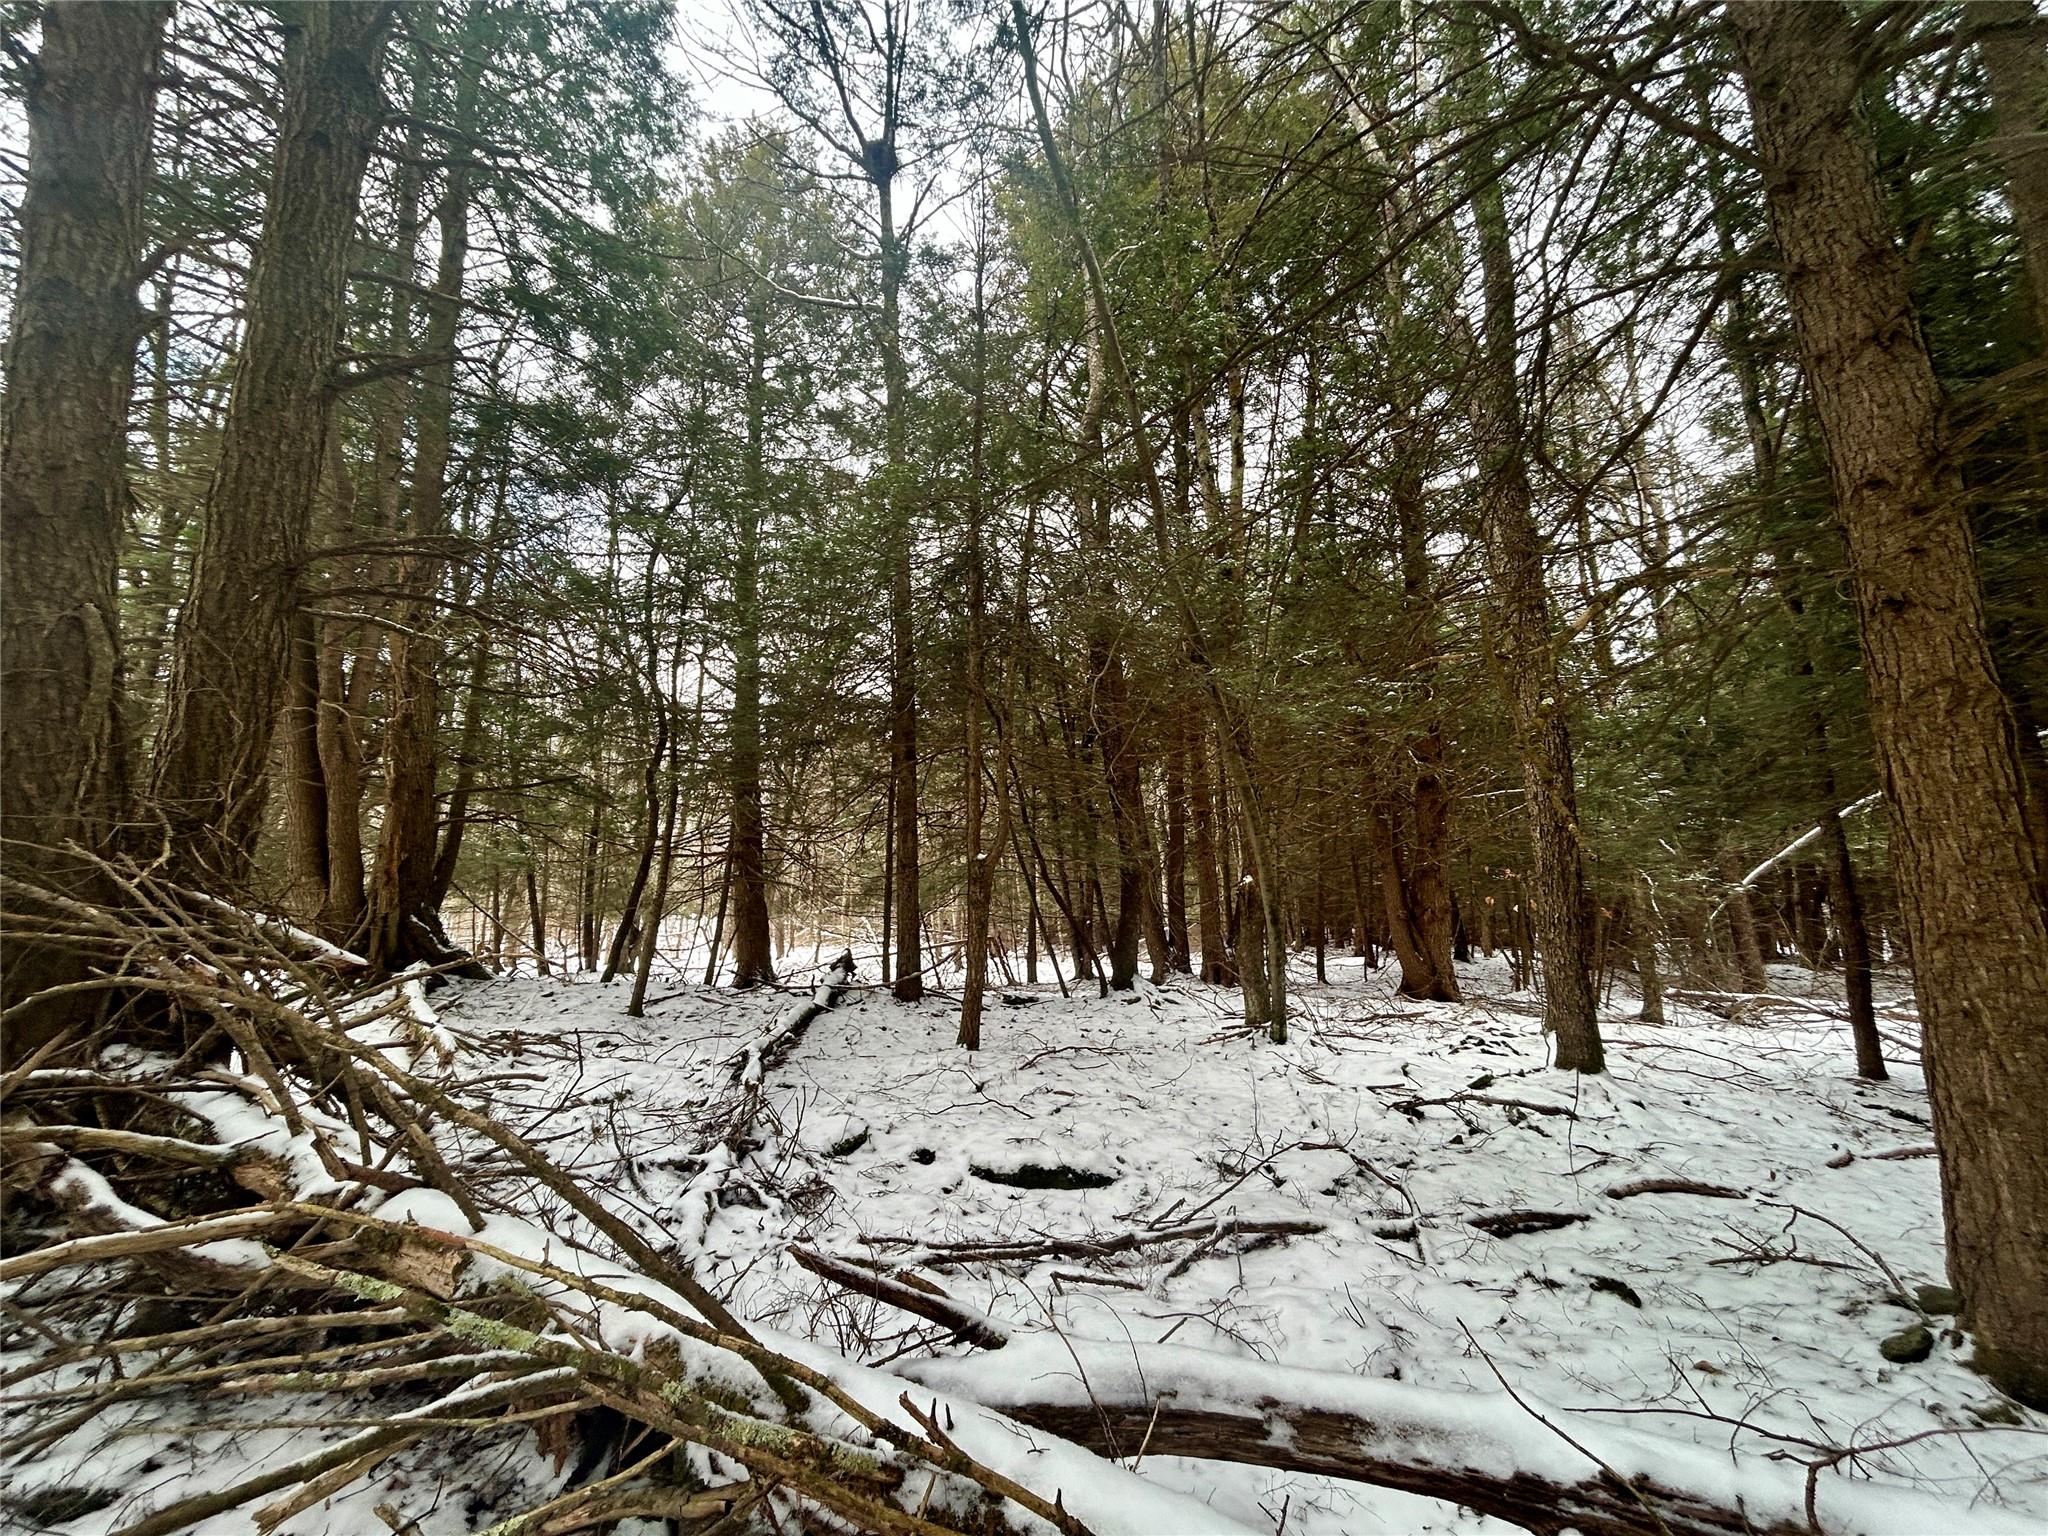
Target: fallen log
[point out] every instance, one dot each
(1485, 1451)
(769, 1052)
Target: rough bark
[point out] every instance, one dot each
(233, 641)
(404, 922)
(1426, 892)
(909, 967)
(1947, 754)
(90, 105)
(1525, 650)
(1178, 949)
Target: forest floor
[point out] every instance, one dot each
(1747, 1325)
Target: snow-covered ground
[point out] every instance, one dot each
(1717, 1322)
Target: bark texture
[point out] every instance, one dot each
(404, 922)
(230, 653)
(90, 104)
(1525, 651)
(1947, 751)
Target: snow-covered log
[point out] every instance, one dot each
(1502, 1454)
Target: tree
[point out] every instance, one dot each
(232, 648)
(91, 106)
(1945, 738)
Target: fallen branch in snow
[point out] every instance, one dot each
(1452, 1100)
(1520, 1223)
(131, 1242)
(953, 1255)
(922, 1300)
(1845, 1157)
(1636, 1187)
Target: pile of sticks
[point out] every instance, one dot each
(194, 1182)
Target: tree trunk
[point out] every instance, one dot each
(1742, 930)
(469, 745)
(1642, 923)
(2012, 41)
(305, 786)
(1525, 649)
(231, 651)
(535, 915)
(1178, 950)
(1210, 919)
(650, 934)
(404, 923)
(1109, 694)
(753, 963)
(91, 106)
(909, 967)
(983, 853)
(1948, 758)
(1845, 900)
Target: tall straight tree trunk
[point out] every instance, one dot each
(909, 967)
(469, 746)
(1845, 900)
(1419, 976)
(587, 890)
(1210, 918)
(981, 851)
(752, 962)
(231, 652)
(1264, 1005)
(650, 935)
(1947, 753)
(1525, 649)
(1176, 866)
(535, 915)
(305, 785)
(404, 922)
(2012, 41)
(1642, 924)
(1109, 700)
(1742, 929)
(91, 105)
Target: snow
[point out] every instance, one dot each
(1388, 1123)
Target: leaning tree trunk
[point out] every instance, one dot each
(91, 104)
(752, 960)
(1947, 754)
(230, 654)
(1525, 650)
